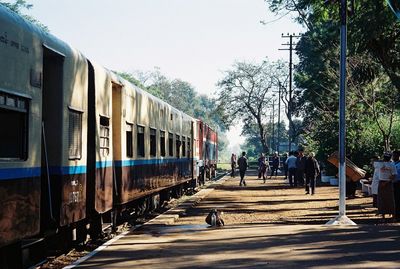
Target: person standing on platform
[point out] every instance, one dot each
(285, 167)
(242, 163)
(233, 164)
(262, 167)
(275, 165)
(300, 167)
(291, 164)
(396, 184)
(312, 171)
(387, 173)
(375, 180)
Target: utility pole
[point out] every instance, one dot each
(342, 219)
(290, 104)
(273, 121)
(279, 116)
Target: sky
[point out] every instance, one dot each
(192, 40)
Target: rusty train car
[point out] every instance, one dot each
(79, 144)
(207, 154)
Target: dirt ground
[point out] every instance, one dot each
(276, 203)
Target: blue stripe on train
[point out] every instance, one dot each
(151, 161)
(68, 170)
(11, 173)
(15, 173)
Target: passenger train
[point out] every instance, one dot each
(79, 144)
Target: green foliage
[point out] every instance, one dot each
(18, 6)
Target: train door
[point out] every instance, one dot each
(51, 136)
(117, 139)
(191, 149)
(91, 144)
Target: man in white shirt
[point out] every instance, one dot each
(387, 174)
(291, 165)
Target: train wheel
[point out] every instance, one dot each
(10, 256)
(95, 229)
(177, 191)
(165, 196)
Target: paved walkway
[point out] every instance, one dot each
(254, 242)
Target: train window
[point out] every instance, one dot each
(13, 117)
(104, 136)
(171, 144)
(140, 141)
(75, 134)
(178, 145)
(162, 143)
(188, 147)
(129, 140)
(153, 142)
(183, 146)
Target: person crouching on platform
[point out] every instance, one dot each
(387, 173)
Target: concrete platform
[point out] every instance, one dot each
(253, 246)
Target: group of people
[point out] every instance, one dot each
(386, 184)
(298, 166)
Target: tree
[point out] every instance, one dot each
(245, 94)
(373, 74)
(18, 6)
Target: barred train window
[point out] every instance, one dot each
(162, 143)
(178, 145)
(140, 141)
(171, 144)
(153, 142)
(129, 140)
(183, 146)
(75, 134)
(104, 136)
(13, 119)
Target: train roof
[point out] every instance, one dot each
(48, 40)
(149, 95)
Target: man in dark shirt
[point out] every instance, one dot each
(312, 171)
(242, 163)
(300, 167)
(275, 165)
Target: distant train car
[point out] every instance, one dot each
(152, 143)
(206, 151)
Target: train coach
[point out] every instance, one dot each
(79, 145)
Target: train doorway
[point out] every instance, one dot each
(51, 127)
